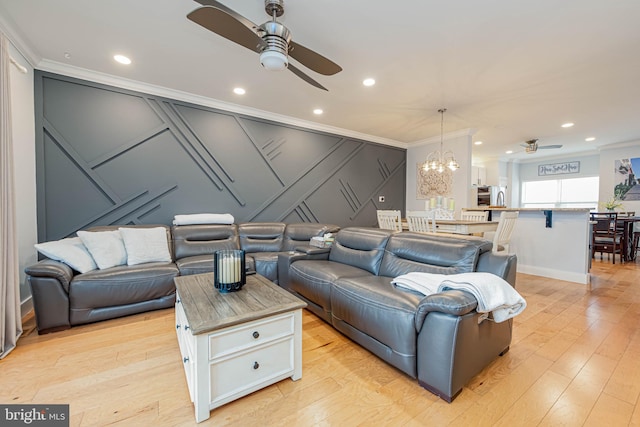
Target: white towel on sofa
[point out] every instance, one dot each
(203, 218)
(425, 283)
(494, 294)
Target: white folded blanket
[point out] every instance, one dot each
(203, 218)
(494, 294)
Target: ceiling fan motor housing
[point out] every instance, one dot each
(275, 54)
(274, 6)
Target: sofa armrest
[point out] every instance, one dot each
(49, 281)
(285, 259)
(312, 250)
(54, 269)
(501, 265)
(454, 302)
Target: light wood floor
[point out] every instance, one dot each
(574, 360)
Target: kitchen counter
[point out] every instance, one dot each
(504, 208)
(550, 242)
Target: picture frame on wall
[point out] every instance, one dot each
(559, 168)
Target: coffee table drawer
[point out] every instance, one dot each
(241, 374)
(255, 333)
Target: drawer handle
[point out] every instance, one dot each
(178, 326)
(186, 327)
(178, 301)
(256, 365)
(185, 360)
(256, 334)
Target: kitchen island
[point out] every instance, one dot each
(553, 242)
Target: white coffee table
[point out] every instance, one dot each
(236, 343)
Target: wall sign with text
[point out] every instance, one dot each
(559, 168)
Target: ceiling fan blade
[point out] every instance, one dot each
(226, 25)
(313, 60)
(231, 12)
(549, 146)
(304, 77)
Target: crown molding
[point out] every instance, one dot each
(7, 27)
(616, 145)
(134, 85)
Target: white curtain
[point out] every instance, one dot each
(10, 322)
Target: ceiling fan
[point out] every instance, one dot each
(271, 40)
(531, 146)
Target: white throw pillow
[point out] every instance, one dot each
(106, 247)
(71, 251)
(145, 245)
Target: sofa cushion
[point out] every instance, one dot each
(70, 251)
(313, 278)
(407, 252)
(195, 264)
(122, 285)
(266, 264)
(261, 236)
(374, 306)
(106, 247)
(145, 245)
(360, 247)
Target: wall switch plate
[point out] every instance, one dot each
(381, 199)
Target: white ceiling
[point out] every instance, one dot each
(511, 70)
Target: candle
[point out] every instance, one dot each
(439, 201)
(433, 202)
(452, 204)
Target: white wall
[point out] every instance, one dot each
(22, 109)
(606, 171)
(589, 166)
(460, 144)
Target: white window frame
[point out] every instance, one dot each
(556, 201)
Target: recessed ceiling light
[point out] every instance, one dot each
(567, 125)
(122, 59)
(318, 111)
(478, 142)
(239, 91)
(509, 151)
(369, 82)
(591, 138)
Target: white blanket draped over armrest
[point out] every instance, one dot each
(494, 294)
(203, 218)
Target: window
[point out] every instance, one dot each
(561, 193)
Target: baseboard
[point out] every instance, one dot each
(582, 278)
(26, 306)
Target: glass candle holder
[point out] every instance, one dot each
(228, 270)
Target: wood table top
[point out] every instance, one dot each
(207, 309)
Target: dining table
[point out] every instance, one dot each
(456, 226)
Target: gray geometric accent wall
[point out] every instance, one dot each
(106, 155)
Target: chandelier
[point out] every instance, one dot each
(439, 160)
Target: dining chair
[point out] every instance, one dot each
(502, 238)
(389, 220)
(421, 221)
(607, 236)
(475, 216)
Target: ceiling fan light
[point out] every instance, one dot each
(273, 60)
